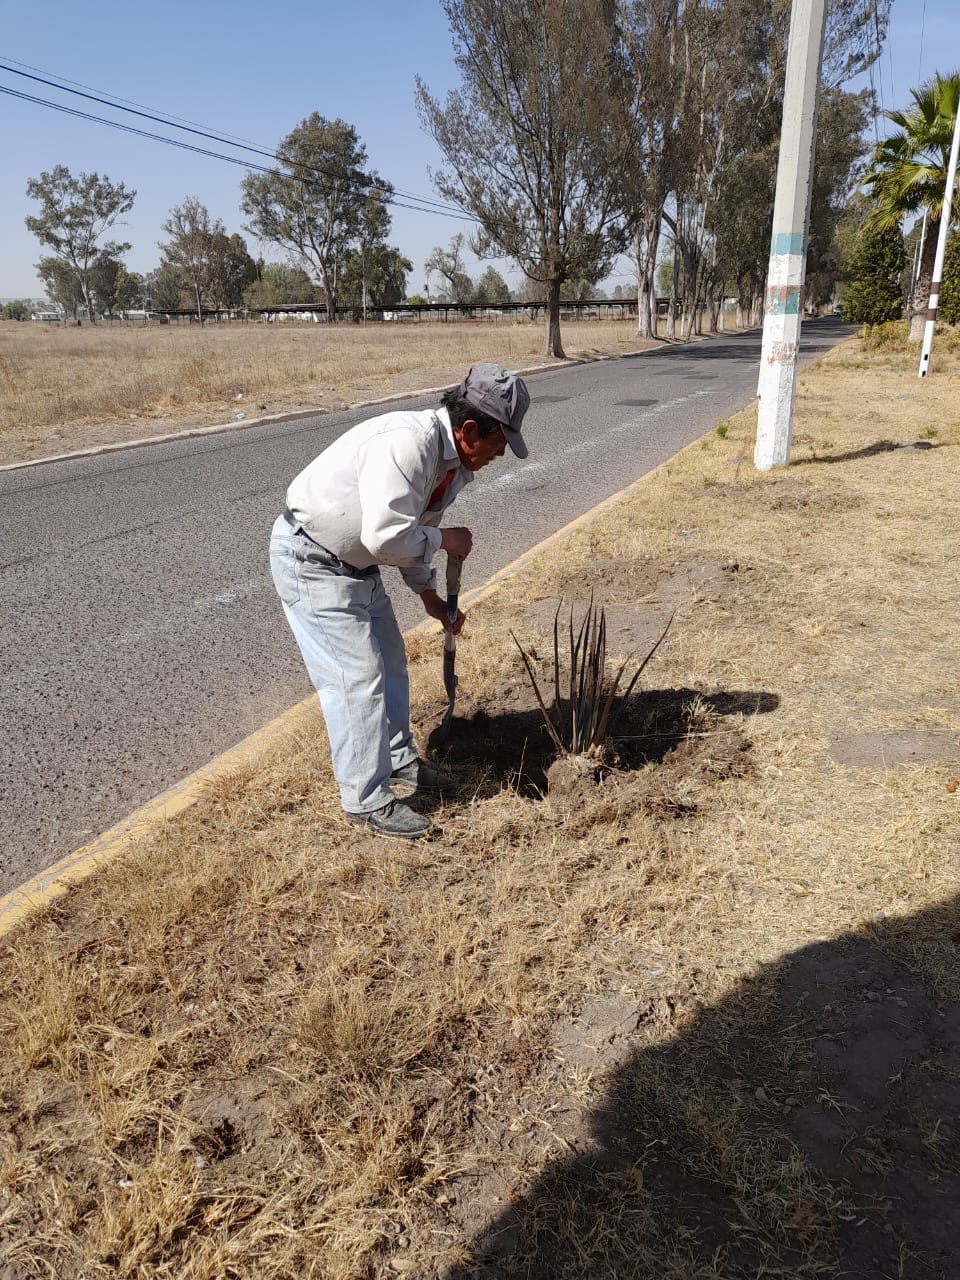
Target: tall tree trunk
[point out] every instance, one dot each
(672, 302)
(689, 303)
(646, 300)
(196, 293)
(921, 290)
(88, 301)
(552, 345)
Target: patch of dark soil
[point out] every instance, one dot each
(691, 736)
(656, 722)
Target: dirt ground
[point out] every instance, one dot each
(694, 1013)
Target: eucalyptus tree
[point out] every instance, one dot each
(837, 164)
(908, 175)
(658, 78)
(75, 214)
(528, 140)
(375, 278)
(313, 205)
(873, 294)
(230, 269)
(448, 264)
(706, 94)
(63, 286)
(190, 247)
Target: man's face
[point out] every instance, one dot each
(475, 452)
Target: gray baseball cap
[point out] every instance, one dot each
(503, 396)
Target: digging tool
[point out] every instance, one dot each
(454, 566)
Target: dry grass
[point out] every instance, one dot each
(267, 1044)
(67, 388)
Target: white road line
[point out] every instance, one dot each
(523, 471)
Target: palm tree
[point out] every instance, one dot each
(908, 174)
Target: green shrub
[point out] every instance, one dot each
(872, 295)
(893, 335)
(949, 306)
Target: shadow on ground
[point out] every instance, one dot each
(490, 747)
(869, 451)
(806, 1125)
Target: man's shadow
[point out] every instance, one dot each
(805, 1125)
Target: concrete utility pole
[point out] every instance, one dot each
(935, 283)
(788, 244)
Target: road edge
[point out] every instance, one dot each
(295, 415)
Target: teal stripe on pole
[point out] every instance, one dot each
(788, 242)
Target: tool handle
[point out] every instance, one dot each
(454, 568)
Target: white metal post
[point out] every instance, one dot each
(934, 303)
(788, 244)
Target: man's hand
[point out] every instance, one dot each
(436, 607)
(456, 541)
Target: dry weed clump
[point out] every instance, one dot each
(653, 1034)
(69, 388)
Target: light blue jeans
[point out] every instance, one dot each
(344, 623)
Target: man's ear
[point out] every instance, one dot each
(470, 431)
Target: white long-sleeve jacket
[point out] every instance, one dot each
(366, 498)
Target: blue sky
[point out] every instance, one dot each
(254, 71)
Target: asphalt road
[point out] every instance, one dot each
(141, 635)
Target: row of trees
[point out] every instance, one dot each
(199, 260)
(883, 271)
(322, 207)
(581, 128)
(446, 267)
(907, 176)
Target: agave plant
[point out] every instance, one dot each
(590, 702)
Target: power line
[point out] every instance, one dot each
(187, 146)
(425, 204)
(78, 84)
(923, 23)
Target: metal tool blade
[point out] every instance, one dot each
(454, 567)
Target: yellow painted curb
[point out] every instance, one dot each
(47, 886)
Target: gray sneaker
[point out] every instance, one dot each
(394, 819)
(422, 777)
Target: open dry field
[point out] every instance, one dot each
(696, 1015)
(69, 388)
